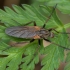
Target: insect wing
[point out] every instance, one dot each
(21, 31)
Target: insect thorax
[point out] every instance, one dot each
(43, 33)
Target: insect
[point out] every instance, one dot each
(32, 32)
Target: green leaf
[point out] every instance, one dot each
(51, 60)
(67, 25)
(30, 63)
(63, 5)
(31, 58)
(27, 56)
(67, 67)
(53, 2)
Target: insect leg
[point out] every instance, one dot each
(57, 44)
(17, 44)
(49, 16)
(32, 22)
(39, 42)
(47, 40)
(32, 40)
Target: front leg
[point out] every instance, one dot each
(16, 44)
(32, 22)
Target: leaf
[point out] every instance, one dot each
(54, 54)
(51, 60)
(63, 5)
(67, 61)
(32, 57)
(30, 63)
(6, 60)
(14, 58)
(52, 2)
(67, 25)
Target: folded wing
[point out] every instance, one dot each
(21, 31)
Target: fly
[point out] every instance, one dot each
(33, 32)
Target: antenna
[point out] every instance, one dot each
(59, 32)
(49, 16)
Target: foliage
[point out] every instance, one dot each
(22, 15)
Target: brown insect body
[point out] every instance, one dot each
(28, 32)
